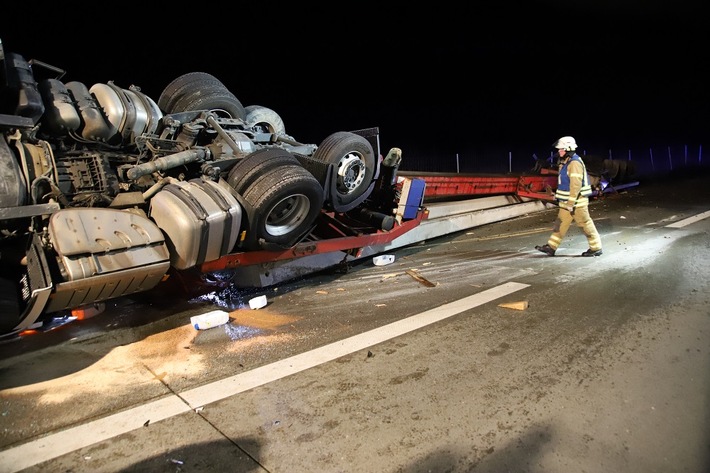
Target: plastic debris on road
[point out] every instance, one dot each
(383, 260)
(211, 319)
(257, 302)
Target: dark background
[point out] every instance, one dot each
(437, 80)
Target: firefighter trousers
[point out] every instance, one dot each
(583, 220)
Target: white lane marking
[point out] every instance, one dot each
(689, 220)
(67, 441)
(61, 443)
(244, 381)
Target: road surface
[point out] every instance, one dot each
(605, 369)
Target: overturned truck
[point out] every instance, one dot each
(105, 192)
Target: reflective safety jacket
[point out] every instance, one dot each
(573, 182)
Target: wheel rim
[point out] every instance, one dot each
(287, 214)
(351, 173)
(221, 113)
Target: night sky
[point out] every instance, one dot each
(435, 79)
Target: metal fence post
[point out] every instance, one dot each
(510, 161)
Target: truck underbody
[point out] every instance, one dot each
(105, 193)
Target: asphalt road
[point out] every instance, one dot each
(606, 369)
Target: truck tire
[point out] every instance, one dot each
(200, 91)
(245, 172)
(266, 119)
(286, 201)
(176, 89)
(354, 161)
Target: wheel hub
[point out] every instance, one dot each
(351, 173)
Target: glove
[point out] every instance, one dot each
(570, 207)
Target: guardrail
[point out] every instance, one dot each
(645, 162)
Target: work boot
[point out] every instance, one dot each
(591, 252)
(547, 249)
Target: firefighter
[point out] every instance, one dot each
(572, 195)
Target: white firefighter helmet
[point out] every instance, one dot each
(566, 143)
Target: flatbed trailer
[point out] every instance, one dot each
(449, 203)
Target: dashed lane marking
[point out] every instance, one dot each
(687, 221)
